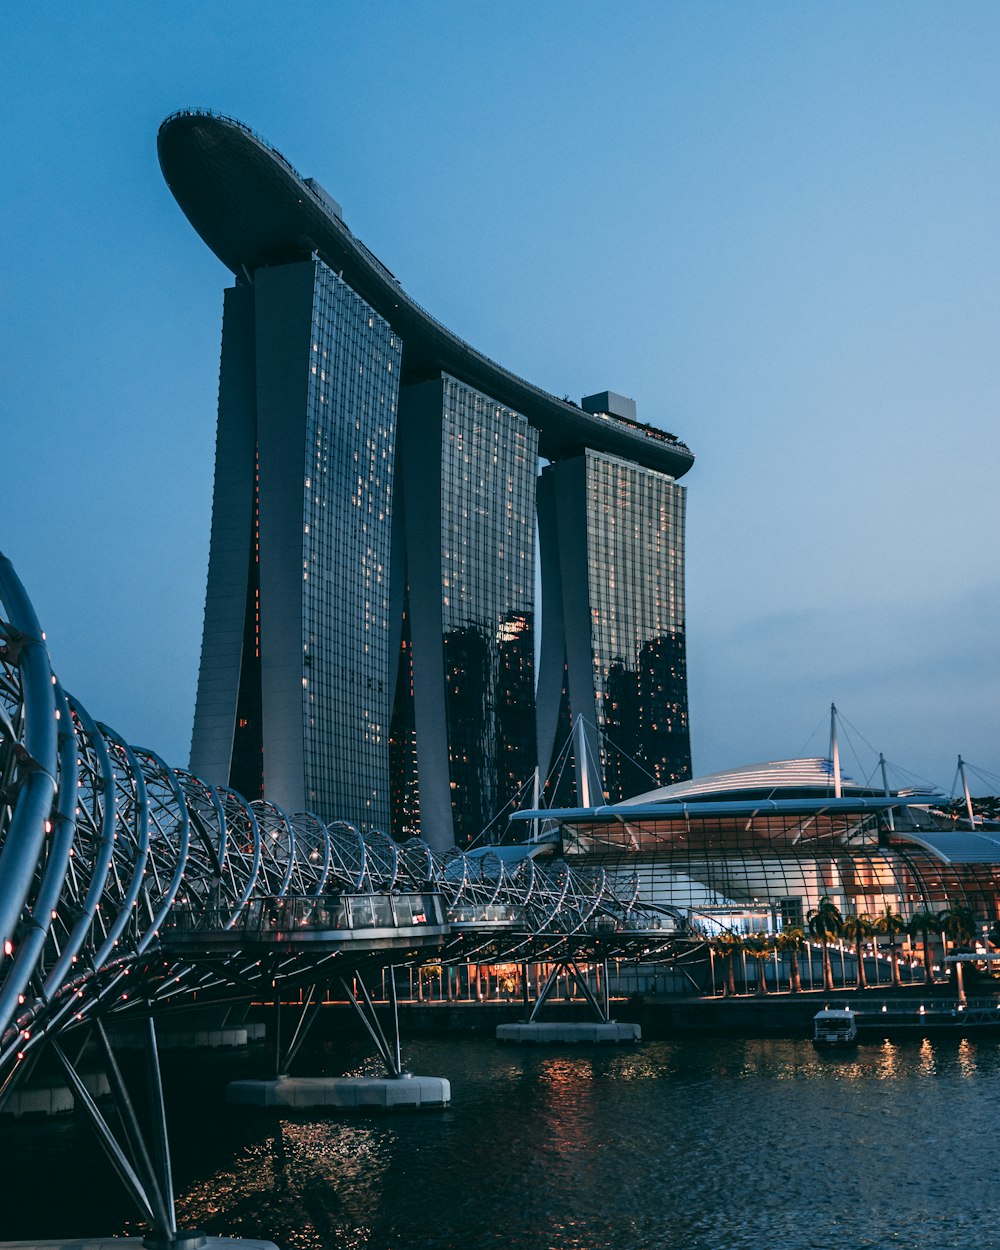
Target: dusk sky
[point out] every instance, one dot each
(775, 226)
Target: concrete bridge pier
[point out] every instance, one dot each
(397, 1089)
(599, 1029)
(50, 1097)
(215, 1027)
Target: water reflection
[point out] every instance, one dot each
(274, 1183)
(689, 1145)
(926, 1067)
(888, 1060)
(966, 1057)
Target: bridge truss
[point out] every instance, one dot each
(128, 884)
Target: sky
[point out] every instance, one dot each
(773, 225)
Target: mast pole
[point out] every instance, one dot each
(835, 753)
(885, 787)
(535, 793)
(582, 766)
(965, 791)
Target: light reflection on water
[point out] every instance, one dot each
(697, 1145)
(280, 1174)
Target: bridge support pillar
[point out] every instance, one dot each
(585, 1032)
(51, 1097)
(342, 1092)
(397, 1089)
(601, 1028)
(139, 1155)
(205, 1028)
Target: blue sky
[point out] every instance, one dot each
(774, 225)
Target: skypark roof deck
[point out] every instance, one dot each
(253, 209)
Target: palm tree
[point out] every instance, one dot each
(761, 946)
(890, 923)
(792, 942)
(925, 923)
(856, 929)
(958, 922)
(825, 922)
(725, 945)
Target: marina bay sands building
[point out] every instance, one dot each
(369, 651)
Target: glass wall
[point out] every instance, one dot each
(635, 544)
(489, 456)
(354, 363)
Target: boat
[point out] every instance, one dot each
(834, 1028)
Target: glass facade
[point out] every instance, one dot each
(403, 766)
(635, 551)
(412, 707)
(474, 594)
(247, 770)
(488, 469)
(312, 385)
(777, 865)
(351, 404)
(613, 661)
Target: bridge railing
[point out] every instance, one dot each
(486, 914)
(291, 914)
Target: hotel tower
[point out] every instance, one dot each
(372, 603)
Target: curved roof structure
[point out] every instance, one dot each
(253, 208)
(954, 846)
(802, 778)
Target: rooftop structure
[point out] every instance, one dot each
(253, 209)
(786, 779)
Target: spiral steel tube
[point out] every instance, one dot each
(103, 845)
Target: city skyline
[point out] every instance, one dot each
(785, 254)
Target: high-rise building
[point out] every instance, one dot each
(370, 616)
(465, 699)
(293, 695)
(613, 646)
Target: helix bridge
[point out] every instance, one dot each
(128, 885)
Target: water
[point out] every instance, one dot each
(698, 1145)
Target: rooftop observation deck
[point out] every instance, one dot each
(252, 208)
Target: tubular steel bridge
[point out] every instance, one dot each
(129, 886)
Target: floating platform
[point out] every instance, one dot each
(341, 1092)
(190, 1039)
(554, 1033)
(53, 1098)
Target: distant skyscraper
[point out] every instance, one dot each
(370, 617)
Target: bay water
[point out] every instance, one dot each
(700, 1144)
